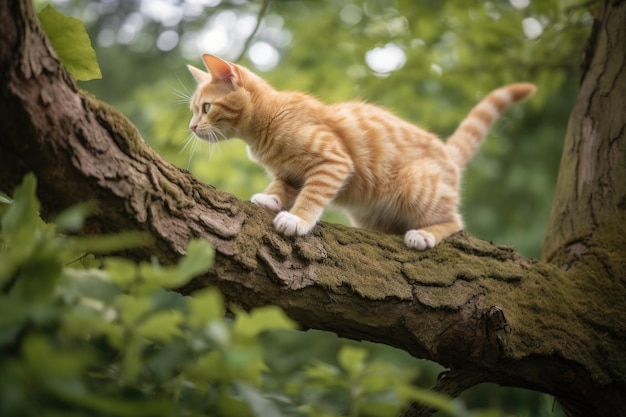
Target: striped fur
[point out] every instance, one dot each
(386, 173)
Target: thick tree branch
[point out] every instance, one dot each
(478, 308)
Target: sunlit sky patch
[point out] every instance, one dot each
(532, 27)
(263, 55)
(520, 4)
(351, 14)
(386, 59)
(167, 40)
(162, 11)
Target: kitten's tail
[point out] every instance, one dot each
(465, 141)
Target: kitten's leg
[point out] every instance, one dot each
(428, 237)
(319, 189)
(277, 195)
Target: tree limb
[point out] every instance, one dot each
(259, 19)
(473, 306)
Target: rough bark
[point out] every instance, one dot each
(585, 236)
(475, 307)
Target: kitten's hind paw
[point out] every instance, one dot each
(419, 239)
(290, 224)
(268, 201)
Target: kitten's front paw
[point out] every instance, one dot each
(268, 201)
(290, 224)
(419, 239)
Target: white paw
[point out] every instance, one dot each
(290, 224)
(419, 239)
(268, 201)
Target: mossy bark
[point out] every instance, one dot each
(475, 307)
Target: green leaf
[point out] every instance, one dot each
(199, 259)
(206, 305)
(260, 320)
(352, 360)
(54, 363)
(132, 360)
(258, 403)
(5, 199)
(132, 309)
(71, 43)
(109, 243)
(218, 332)
(209, 367)
(228, 406)
(322, 374)
(161, 326)
(72, 219)
(155, 276)
(89, 283)
(167, 361)
(121, 271)
(119, 406)
(246, 363)
(379, 409)
(85, 323)
(21, 220)
(380, 377)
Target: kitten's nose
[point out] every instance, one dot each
(193, 128)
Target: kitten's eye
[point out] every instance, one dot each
(206, 107)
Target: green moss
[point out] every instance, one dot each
(576, 314)
(452, 297)
(171, 190)
(371, 274)
(121, 129)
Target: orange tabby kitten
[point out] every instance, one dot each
(388, 174)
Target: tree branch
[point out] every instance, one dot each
(475, 307)
(259, 19)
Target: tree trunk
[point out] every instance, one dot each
(478, 308)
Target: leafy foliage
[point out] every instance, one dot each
(71, 42)
(87, 336)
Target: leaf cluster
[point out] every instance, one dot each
(82, 335)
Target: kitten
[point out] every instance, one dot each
(386, 173)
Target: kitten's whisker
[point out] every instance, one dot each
(188, 93)
(178, 93)
(216, 139)
(218, 149)
(190, 139)
(184, 97)
(219, 132)
(192, 151)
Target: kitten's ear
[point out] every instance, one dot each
(221, 70)
(199, 75)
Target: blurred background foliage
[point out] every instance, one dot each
(428, 61)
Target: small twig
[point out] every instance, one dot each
(259, 18)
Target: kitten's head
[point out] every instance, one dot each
(222, 99)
